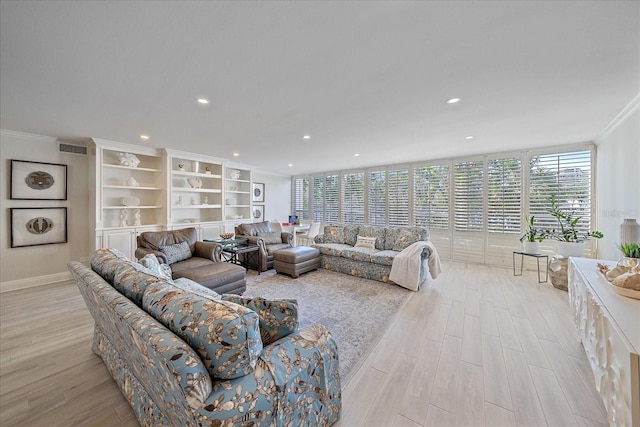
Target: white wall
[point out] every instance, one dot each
(618, 178)
(34, 265)
(277, 198)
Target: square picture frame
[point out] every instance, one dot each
(257, 213)
(38, 226)
(38, 181)
(257, 192)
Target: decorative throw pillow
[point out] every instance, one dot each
(366, 242)
(278, 318)
(196, 288)
(225, 335)
(270, 237)
(334, 234)
(161, 270)
(175, 253)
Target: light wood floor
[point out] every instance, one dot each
(475, 347)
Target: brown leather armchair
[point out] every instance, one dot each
(261, 234)
(204, 266)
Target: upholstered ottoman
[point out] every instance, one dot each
(297, 260)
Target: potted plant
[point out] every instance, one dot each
(531, 238)
(570, 239)
(631, 252)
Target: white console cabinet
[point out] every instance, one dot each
(609, 327)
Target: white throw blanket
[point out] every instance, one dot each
(407, 265)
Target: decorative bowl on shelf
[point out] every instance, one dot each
(191, 220)
(226, 236)
(130, 201)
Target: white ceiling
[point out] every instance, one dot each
(359, 77)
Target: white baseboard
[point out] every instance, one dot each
(32, 282)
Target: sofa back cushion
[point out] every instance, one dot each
(351, 234)
(270, 237)
(398, 238)
(380, 233)
(155, 239)
(224, 334)
(254, 228)
(334, 233)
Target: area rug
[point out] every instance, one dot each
(356, 311)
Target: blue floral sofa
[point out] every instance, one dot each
(185, 356)
(338, 251)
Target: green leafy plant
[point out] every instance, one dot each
(568, 223)
(630, 250)
(532, 234)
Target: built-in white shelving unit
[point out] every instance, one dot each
(237, 193)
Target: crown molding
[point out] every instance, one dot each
(619, 118)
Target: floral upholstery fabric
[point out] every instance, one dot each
(151, 262)
(224, 334)
(131, 279)
(195, 288)
(350, 233)
(278, 318)
(295, 381)
(374, 264)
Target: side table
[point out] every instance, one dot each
(537, 256)
(248, 256)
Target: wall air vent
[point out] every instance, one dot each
(73, 149)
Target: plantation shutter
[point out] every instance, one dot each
(377, 192)
(317, 205)
(398, 196)
(431, 197)
(567, 176)
(353, 198)
(332, 198)
(467, 196)
(301, 198)
(504, 195)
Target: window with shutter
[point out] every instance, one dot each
(567, 176)
(331, 198)
(398, 196)
(377, 192)
(467, 196)
(301, 198)
(431, 197)
(353, 198)
(504, 195)
(317, 199)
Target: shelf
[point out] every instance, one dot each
(106, 165)
(238, 206)
(198, 174)
(196, 190)
(131, 207)
(128, 187)
(237, 180)
(198, 207)
(239, 192)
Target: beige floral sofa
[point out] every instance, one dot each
(185, 356)
(339, 250)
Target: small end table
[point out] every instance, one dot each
(537, 256)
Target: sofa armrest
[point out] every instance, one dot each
(142, 252)
(208, 250)
(287, 238)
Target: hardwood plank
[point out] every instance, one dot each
(495, 416)
(437, 417)
(470, 409)
(444, 393)
(472, 340)
(455, 321)
(526, 405)
(555, 406)
(488, 323)
(529, 342)
(496, 384)
(359, 395)
(508, 335)
(401, 421)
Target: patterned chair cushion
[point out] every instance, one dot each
(359, 254)
(384, 257)
(177, 252)
(333, 249)
(105, 261)
(224, 334)
(131, 280)
(334, 234)
(270, 237)
(278, 318)
(151, 262)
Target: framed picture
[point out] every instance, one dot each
(258, 212)
(257, 191)
(38, 226)
(38, 181)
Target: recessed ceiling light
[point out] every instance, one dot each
(453, 100)
(356, 155)
(468, 137)
(290, 164)
(236, 154)
(203, 101)
(306, 137)
(145, 137)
